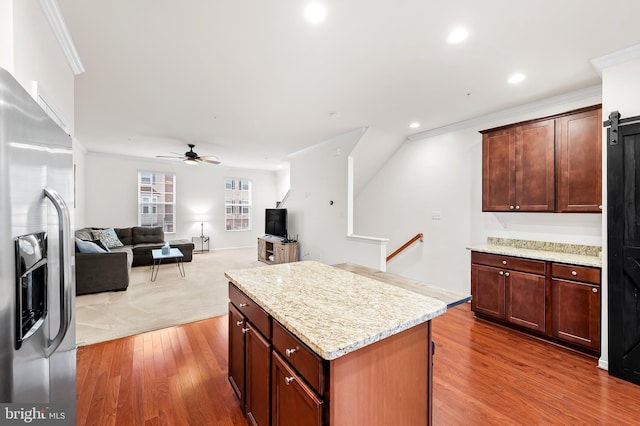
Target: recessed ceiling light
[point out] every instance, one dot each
(315, 12)
(458, 35)
(414, 125)
(517, 78)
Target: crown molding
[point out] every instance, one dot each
(577, 95)
(56, 21)
(615, 58)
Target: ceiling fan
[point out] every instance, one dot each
(191, 157)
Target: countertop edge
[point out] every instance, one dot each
(330, 354)
(570, 258)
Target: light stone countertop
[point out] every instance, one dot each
(551, 256)
(331, 310)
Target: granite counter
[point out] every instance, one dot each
(334, 311)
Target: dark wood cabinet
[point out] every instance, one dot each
(488, 290)
(498, 170)
(579, 162)
(258, 366)
(294, 402)
(250, 357)
(237, 352)
(575, 305)
(552, 164)
(519, 168)
(526, 300)
(509, 289)
(558, 301)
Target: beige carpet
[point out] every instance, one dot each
(170, 300)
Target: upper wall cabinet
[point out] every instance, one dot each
(579, 161)
(552, 164)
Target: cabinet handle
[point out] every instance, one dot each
(504, 262)
(501, 273)
(506, 274)
(288, 380)
(290, 352)
(243, 305)
(239, 323)
(244, 330)
(517, 207)
(600, 207)
(595, 290)
(574, 273)
(511, 207)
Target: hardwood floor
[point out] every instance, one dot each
(483, 375)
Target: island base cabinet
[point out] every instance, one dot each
(236, 353)
(386, 383)
(293, 403)
(258, 367)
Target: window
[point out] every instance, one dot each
(237, 203)
(156, 200)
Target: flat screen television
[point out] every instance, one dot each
(275, 222)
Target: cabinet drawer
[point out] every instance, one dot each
(254, 313)
(576, 273)
(508, 262)
(299, 356)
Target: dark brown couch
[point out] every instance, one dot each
(98, 272)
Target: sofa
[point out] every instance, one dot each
(104, 256)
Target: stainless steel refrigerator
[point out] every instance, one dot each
(37, 281)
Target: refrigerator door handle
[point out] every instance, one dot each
(64, 228)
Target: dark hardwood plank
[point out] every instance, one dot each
(483, 375)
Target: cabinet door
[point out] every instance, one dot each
(526, 300)
(237, 324)
(280, 253)
(293, 402)
(535, 167)
(258, 369)
(262, 250)
(488, 291)
(498, 170)
(575, 310)
(580, 162)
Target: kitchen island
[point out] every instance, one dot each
(315, 344)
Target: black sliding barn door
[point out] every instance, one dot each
(623, 223)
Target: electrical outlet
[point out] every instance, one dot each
(435, 215)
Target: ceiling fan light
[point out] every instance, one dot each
(190, 161)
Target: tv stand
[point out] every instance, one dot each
(272, 250)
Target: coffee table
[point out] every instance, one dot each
(158, 257)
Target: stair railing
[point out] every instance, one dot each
(405, 245)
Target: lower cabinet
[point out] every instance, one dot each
(575, 305)
(557, 301)
(294, 402)
(509, 289)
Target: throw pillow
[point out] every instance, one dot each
(101, 245)
(108, 237)
(88, 247)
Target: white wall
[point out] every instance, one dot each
(283, 184)
(319, 176)
(111, 197)
(442, 174)
(38, 57)
(6, 35)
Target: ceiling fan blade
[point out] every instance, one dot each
(169, 156)
(209, 159)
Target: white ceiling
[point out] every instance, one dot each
(251, 81)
